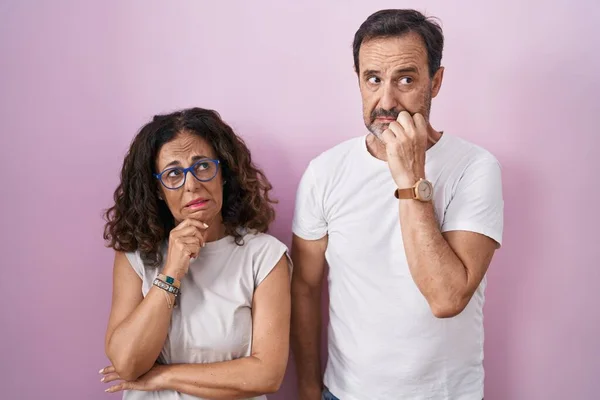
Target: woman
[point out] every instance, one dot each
(201, 298)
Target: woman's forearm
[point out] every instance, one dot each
(237, 379)
(135, 344)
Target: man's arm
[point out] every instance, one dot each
(447, 268)
(309, 265)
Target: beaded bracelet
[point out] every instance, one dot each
(170, 280)
(168, 288)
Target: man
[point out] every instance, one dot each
(408, 219)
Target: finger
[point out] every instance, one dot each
(194, 246)
(186, 223)
(192, 232)
(110, 377)
(407, 123)
(190, 240)
(189, 232)
(107, 370)
(397, 129)
(195, 222)
(420, 121)
(193, 249)
(117, 388)
(422, 127)
(388, 136)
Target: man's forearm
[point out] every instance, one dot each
(306, 337)
(435, 268)
(236, 379)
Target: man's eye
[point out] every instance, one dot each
(373, 80)
(407, 80)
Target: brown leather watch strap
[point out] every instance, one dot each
(408, 193)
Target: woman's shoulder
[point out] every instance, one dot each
(259, 240)
(137, 261)
(265, 251)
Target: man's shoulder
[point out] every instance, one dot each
(337, 153)
(458, 148)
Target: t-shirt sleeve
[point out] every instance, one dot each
(136, 263)
(477, 204)
(267, 256)
(309, 218)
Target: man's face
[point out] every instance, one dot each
(393, 77)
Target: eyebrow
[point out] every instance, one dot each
(176, 162)
(404, 70)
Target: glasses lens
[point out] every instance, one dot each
(173, 178)
(205, 170)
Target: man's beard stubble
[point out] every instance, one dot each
(378, 129)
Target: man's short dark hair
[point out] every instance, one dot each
(395, 23)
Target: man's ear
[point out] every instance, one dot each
(436, 83)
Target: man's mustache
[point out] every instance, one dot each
(380, 112)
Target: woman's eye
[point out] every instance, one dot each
(203, 166)
(173, 173)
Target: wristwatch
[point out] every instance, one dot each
(422, 191)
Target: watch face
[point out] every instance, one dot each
(425, 190)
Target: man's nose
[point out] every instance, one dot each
(388, 99)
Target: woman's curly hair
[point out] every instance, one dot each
(140, 221)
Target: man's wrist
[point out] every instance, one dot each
(407, 181)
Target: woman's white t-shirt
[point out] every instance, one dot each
(213, 321)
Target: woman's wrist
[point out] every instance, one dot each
(163, 377)
(174, 273)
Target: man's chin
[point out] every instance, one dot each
(378, 129)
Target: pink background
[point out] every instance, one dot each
(77, 81)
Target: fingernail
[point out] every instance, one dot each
(204, 223)
(107, 390)
(102, 380)
(203, 244)
(101, 371)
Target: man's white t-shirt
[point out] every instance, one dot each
(384, 341)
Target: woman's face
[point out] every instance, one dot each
(200, 200)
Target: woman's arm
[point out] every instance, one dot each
(137, 326)
(260, 373)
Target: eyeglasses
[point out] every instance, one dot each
(203, 170)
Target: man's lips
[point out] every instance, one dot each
(384, 119)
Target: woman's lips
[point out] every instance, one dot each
(197, 204)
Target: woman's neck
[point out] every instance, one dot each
(215, 232)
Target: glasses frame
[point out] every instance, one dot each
(185, 171)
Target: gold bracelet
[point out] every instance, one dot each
(169, 304)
